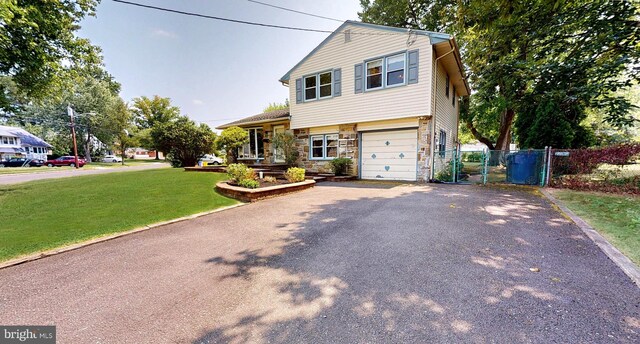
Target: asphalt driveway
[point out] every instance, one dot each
(341, 263)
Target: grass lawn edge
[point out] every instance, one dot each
(622, 261)
(102, 238)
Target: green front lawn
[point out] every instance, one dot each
(616, 217)
(45, 214)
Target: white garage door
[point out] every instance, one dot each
(390, 155)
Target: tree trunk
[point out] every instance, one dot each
(157, 155)
(504, 138)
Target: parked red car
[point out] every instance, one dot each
(65, 161)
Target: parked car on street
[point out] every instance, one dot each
(111, 158)
(210, 159)
(65, 161)
(21, 162)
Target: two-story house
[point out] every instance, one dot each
(385, 97)
(19, 142)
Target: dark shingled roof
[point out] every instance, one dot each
(263, 117)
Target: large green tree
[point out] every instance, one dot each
(37, 39)
(150, 113)
(532, 60)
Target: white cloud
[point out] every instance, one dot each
(163, 33)
(197, 102)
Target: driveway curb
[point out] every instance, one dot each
(624, 263)
(40, 255)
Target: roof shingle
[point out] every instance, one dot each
(263, 117)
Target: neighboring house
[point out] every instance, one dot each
(141, 153)
(383, 96)
(19, 142)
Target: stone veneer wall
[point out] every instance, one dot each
(345, 131)
(424, 149)
(349, 131)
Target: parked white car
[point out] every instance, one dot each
(210, 159)
(111, 158)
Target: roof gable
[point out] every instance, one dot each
(436, 37)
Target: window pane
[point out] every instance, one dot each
(317, 152)
(316, 141)
(395, 62)
(374, 67)
(310, 81)
(310, 93)
(396, 77)
(374, 81)
(325, 78)
(325, 91)
(332, 146)
(252, 143)
(260, 152)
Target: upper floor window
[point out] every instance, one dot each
(374, 74)
(446, 90)
(453, 99)
(386, 72)
(395, 70)
(8, 140)
(318, 86)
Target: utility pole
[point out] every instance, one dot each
(73, 134)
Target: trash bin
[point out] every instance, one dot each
(522, 168)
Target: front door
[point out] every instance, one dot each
(278, 154)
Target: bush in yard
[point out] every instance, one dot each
(585, 161)
(240, 172)
(184, 141)
(339, 166)
(287, 143)
(230, 140)
(269, 179)
(295, 174)
(249, 183)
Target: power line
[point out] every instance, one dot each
(205, 16)
(220, 18)
(295, 11)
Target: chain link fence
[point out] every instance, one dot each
(523, 167)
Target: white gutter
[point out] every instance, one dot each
(434, 93)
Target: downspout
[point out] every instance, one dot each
(434, 94)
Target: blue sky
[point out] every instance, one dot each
(214, 71)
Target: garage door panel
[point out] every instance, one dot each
(390, 155)
(390, 175)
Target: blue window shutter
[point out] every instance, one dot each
(413, 67)
(299, 90)
(357, 76)
(337, 82)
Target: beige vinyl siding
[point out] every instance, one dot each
(446, 114)
(391, 103)
(390, 124)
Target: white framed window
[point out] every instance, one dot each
(310, 87)
(255, 148)
(385, 72)
(325, 85)
(324, 147)
(446, 90)
(374, 74)
(395, 67)
(318, 86)
(453, 99)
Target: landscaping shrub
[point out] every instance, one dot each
(472, 157)
(249, 183)
(240, 172)
(339, 166)
(269, 179)
(585, 161)
(295, 174)
(287, 143)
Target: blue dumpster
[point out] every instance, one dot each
(523, 168)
